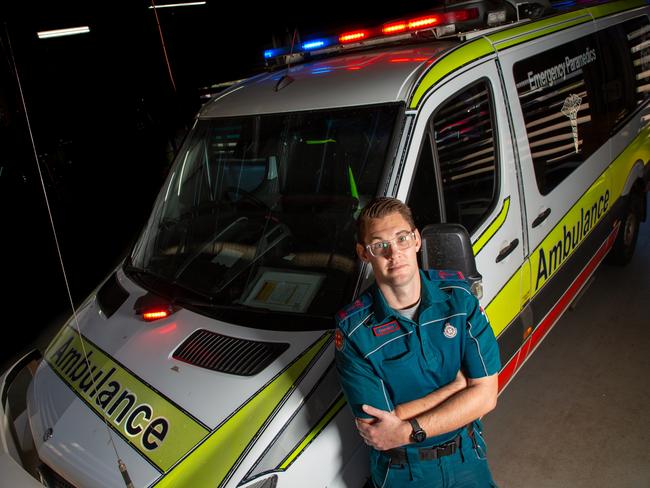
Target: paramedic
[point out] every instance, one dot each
(417, 360)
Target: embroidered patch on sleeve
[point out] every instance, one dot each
(451, 274)
(388, 328)
(339, 340)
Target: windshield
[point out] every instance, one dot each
(258, 215)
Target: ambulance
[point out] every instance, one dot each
(207, 359)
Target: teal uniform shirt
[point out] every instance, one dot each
(384, 359)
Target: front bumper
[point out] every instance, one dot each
(16, 448)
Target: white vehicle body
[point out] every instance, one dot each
(228, 391)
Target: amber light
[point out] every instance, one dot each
(152, 315)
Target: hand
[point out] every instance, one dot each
(387, 431)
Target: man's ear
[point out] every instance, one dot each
(418, 240)
(362, 252)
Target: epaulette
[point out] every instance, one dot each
(448, 279)
(362, 303)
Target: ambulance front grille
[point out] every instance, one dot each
(228, 354)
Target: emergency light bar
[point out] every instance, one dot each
(412, 25)
(435, 24)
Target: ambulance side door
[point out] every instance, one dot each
(460, 169)
(552, 86)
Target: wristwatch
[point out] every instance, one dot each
(418, 434)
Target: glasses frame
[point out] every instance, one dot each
(391, 243)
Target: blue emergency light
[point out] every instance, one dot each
(315, 44)
(273, 53)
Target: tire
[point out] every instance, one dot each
(623, 249)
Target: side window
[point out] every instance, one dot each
(423, 195)
(465, 150)
(625, 64)
(557, 91)
(637, 34)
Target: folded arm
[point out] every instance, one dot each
(388, 430)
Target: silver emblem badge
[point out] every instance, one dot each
(450, 331)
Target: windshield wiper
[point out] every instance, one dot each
(198, 252)
(129, 268)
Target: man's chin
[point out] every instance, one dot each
(399, 276)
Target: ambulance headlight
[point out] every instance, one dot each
(270, 482)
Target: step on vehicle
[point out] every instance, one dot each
(206, 357)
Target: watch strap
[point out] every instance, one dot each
(418, 434)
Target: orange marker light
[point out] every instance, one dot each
(155, 315)
(353, 36)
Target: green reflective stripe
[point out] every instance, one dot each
(212, 461)
(504, 39)
(517, 35)
(149, 422)
(503, 308)
(492, 228)
(615, 7)
(318, 428)
(511, 37)
(449, 63)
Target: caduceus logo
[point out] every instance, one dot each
(571, 108)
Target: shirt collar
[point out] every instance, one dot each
(430, 294)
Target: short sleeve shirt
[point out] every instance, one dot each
(384, 359)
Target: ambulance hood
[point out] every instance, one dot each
(159, 408)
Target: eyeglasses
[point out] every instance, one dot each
(381, 249)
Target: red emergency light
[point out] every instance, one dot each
(424, 22)
(152, 307)
(394, 28)
(152, 315)
(411, 25)
(354, 36)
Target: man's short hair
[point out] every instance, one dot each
(381, 207)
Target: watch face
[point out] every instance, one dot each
(419, 435)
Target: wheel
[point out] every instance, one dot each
(623, 249)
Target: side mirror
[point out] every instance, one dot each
(447, 246)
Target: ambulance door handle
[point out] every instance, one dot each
(507, 250)
(541, 217)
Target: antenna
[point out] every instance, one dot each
(120, 463)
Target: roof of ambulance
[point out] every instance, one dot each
(352, 79)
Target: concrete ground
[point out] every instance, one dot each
(578, 413)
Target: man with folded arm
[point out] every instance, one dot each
(417, 360)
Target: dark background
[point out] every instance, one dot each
(107, 121)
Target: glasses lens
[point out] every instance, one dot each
(379, 249)
(405, 241)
